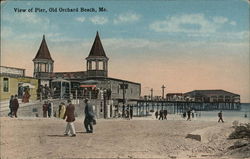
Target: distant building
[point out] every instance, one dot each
(14, 82)
(91, 83)
(213, 96)
(175, 97)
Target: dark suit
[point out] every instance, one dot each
(15, 106)
(89, 117)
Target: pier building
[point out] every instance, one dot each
(93, 83)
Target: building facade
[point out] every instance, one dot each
(14, 82)
(94, 82)
(212, 96)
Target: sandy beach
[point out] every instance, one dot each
(36, 138)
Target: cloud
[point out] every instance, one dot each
(28, 18)
(232, 23)
(31, 18)
(192, 23)
(36, 35)
(34, 23)
(6, 32)
(220, 20)
(80, 19)
(62, 39)
(126, 18)
(247, 1)
(98, 20)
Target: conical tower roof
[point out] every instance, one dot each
(43, 52)
(97, 48)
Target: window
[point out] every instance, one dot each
(101, 66)
(94, 65)
(43, 67)
(6, 85)
(36, 68)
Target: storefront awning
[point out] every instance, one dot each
(87, 86)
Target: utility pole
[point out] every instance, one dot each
(163, 87)
(151, 90)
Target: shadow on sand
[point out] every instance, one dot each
(81, 132)
(57, 136)
(78, 132)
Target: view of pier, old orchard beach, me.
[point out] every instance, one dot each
(127, 79)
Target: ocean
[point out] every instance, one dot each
(242, 115)
(228, 115)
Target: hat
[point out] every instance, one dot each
(86, 100)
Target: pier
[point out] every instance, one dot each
(143, 107)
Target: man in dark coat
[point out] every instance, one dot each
(70, 114)
(45, 109)
(189, 115)
(156, 114)
(11, 106)
(89, 116)
(15, 106)
(165, 114)
(161, 115)
(131, 112)
(50, 113)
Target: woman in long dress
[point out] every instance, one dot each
(62, 109)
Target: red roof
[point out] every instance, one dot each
(43, 52)
(97, 48)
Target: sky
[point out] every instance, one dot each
(183, 44)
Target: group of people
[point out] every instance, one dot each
(26, 96)
(43, 92)
(69, 115)
(47, 109)
(162, 114)
(129, 112)
(13, 105)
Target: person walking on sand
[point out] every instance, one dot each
(131, 112)
(127, 113)
(15, 106)
(189, 115)
(156, 114)
(165, 112)
(50, 109)
(62, 110)
(45, 109)
(161, 115)
(11, 106)
(220, 117)
(70, 114)
(89, 116)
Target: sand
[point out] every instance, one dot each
(36, 138)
